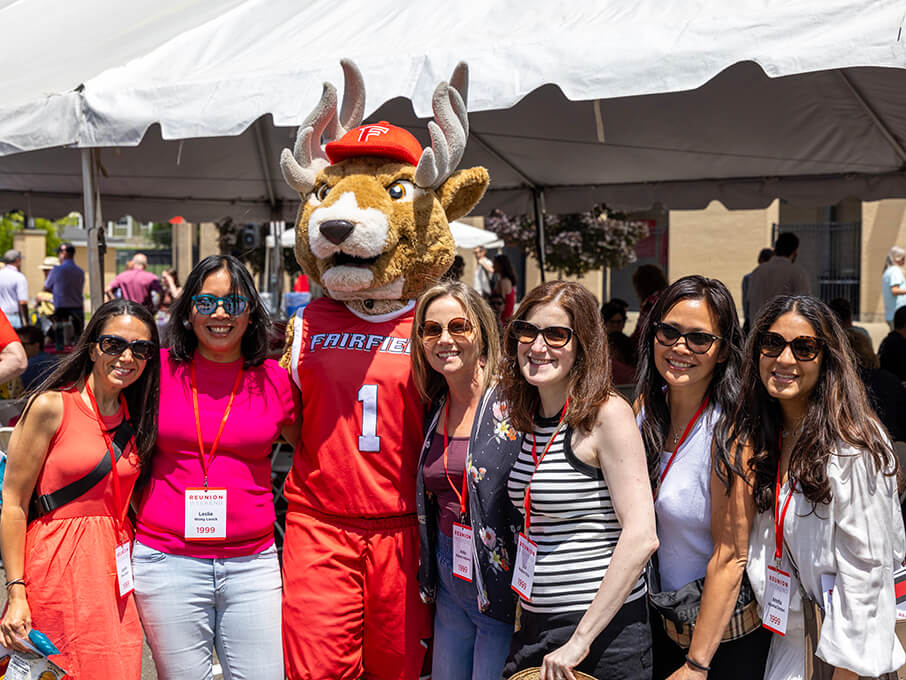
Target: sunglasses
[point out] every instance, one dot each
(431, 330)
(554, 336)
(698, 342)
(804, 347)
(208, 304)
(114, 345)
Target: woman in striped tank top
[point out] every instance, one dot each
(589, 512)
(688, 385)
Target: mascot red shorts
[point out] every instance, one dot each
(351, 607)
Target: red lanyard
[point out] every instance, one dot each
(527, 502)
(119, 515)
(686, 432)
(780, 516)
(226, 414)
(465, 488)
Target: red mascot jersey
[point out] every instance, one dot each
(361, 413)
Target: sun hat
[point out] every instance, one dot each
(535, 674)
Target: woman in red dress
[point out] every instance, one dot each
(69, 570)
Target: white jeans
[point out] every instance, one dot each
(190, 605)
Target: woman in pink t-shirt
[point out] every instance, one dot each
(206, 568)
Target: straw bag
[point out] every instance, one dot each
(535, 673)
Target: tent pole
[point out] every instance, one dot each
(538, 200)
(96, 244)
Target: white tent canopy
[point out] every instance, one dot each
(595, 101)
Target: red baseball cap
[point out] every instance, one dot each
(376, 139)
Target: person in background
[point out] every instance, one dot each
(764, 255)
(67, 282)
(206, 568)
(826, 496)
(137, 284)
(688, 387)
(843, 310)
(892, 351)
(14, 290)
(778, 276)
(649, 281)
(505, 285)
(484, 271)
(171, 290)
(455, 360)
(64, 568)
(582, 482)
(893, 283)
(456, 270)
(497, 303)
(886, 393)
(40, 363)
(621, 349)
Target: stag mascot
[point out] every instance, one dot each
(373, 232)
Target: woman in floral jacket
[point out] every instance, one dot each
(468, 524)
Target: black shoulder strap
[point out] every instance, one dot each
(41, 505)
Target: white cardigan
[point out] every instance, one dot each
(859, 539)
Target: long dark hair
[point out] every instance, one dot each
(179, 334)
(502, 262)
(142, 396)
(838, 409)
(724, 387)
(589, 379)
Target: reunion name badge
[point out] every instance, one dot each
(206, 512)
(524, 569)
(776, 600)
(123, 554)
(462, 551)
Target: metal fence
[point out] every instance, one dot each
(830, 252)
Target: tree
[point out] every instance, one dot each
(12, 222)
(575, 243)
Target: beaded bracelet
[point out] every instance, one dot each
(14, 582)
(697, 665)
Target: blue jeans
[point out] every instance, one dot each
(467, 644)
(190, 605)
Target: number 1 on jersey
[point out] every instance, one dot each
(368, 440)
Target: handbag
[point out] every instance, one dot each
(678, 609)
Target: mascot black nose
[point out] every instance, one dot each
(336, 231)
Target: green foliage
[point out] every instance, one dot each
(576, 243)
(15, 221)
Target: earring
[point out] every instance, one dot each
(186, 324)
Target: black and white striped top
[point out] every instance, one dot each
(573, 522)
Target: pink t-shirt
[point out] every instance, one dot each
(136, 285)
(263, 405)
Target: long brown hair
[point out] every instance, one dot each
(589, 379)
(838, 409)
(431, 384)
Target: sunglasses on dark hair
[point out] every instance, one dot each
(114, 345)
(804, 347)
(698, 342)
(554, 336)
(232, 304)
(432, 330)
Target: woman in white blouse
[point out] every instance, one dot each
(825, 486)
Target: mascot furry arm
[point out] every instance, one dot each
(373, 231)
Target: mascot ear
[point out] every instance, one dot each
(462, 191)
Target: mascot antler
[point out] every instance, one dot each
(448, 134)
(307, 159)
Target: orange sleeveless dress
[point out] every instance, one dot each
(70, 565)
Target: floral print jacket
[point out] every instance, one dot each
(495, 521)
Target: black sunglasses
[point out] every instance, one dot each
(698, 342)
(114, 345)
(525, 332)
(804, 347)
(432, 330)
(207, 304)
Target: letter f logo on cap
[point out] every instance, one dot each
(372, 131)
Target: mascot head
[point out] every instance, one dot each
(374, 221)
